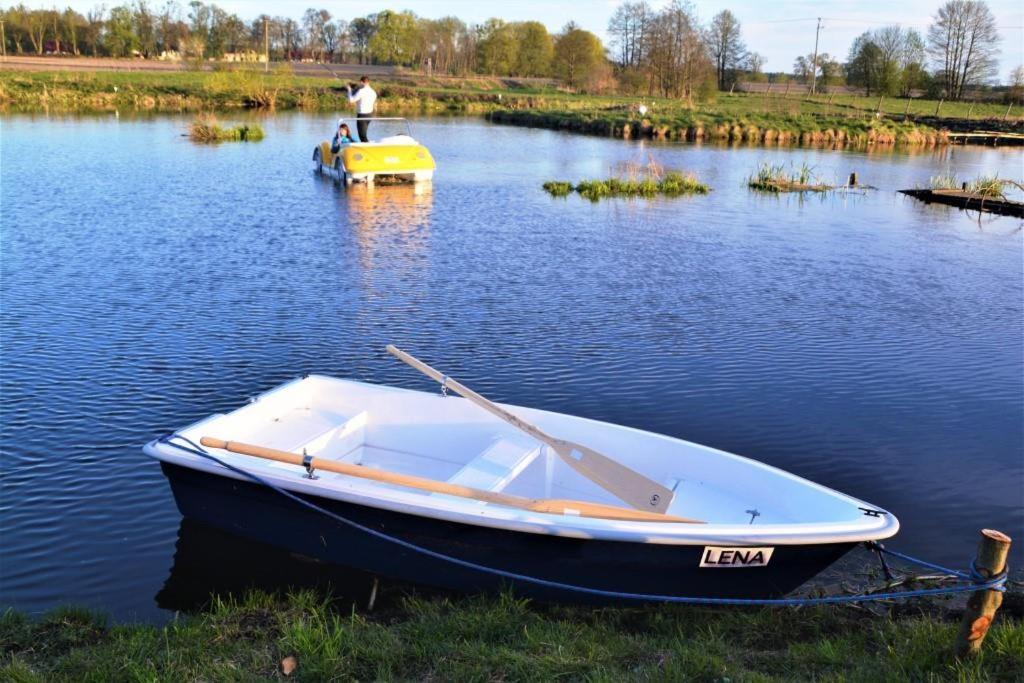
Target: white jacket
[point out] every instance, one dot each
(365, 98)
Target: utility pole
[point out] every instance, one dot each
(266, 46)
(814, 60)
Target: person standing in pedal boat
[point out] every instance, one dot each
(365, 99)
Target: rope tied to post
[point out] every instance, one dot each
(973, 580)
(996, 582)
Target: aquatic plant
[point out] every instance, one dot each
(206, 129)
(992, 187)
(558, 188)
(944, 181)
(987, 186)
(775, 178)
(675, 184)
(671, 184)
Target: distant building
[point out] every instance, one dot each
(246, 56)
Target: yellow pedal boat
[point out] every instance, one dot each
(396, 156)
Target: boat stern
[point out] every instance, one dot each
(407, 162)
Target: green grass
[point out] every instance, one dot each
(741, 117)
(648, 185)
(558, 188)
(502, 638)
(944, 181)
(206, 129)
(982, 186)
(987, 186)
(776, 178)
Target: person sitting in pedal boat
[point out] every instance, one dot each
(342, 137)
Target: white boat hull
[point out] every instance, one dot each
(801, 526)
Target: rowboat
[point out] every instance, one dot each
(395, 156)
(465, 494)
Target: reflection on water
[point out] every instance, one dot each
(209, 562)
(868, 342)
(383, 214)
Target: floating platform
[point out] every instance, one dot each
(967, 200)
(987, 137)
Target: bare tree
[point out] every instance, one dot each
(963, 42)
(677, 59)
(726, 46)
(628, 29)
(314, 21)
(1016, 84)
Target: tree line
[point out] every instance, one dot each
(667, 52)
(205, 31)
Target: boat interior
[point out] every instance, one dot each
(450, 439)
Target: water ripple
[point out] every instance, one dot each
(869, 343)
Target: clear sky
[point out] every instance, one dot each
(780, 31)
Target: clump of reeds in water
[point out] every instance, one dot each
(776, 178)
(634, 180)
(558, 188)
(990, 187)
(944, 181)
(993, 187)
(206, 129)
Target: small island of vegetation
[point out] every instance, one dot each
(206, 129)
(632, 180)
(775, 178)
(670, 184)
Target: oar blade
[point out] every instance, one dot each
(626, 484)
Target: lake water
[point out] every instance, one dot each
(866, 341)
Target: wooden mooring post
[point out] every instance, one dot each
(982, 605)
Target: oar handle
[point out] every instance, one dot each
(470, 395)
(578, 508)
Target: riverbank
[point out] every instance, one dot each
(757, 128)
(737, 118)
(507, 639)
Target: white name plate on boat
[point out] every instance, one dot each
(735, 557)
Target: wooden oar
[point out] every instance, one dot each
(547, 505)
(624, 483)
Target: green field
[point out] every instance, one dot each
(756, 118)
(505, 639)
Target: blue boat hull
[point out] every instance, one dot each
(259, 513)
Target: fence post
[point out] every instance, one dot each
(852, 182)
(982, 605)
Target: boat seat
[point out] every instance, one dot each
(499, 464)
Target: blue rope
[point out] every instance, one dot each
(979, 582)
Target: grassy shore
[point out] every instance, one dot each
(505, 639)
(709, 123)
(755, 118)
